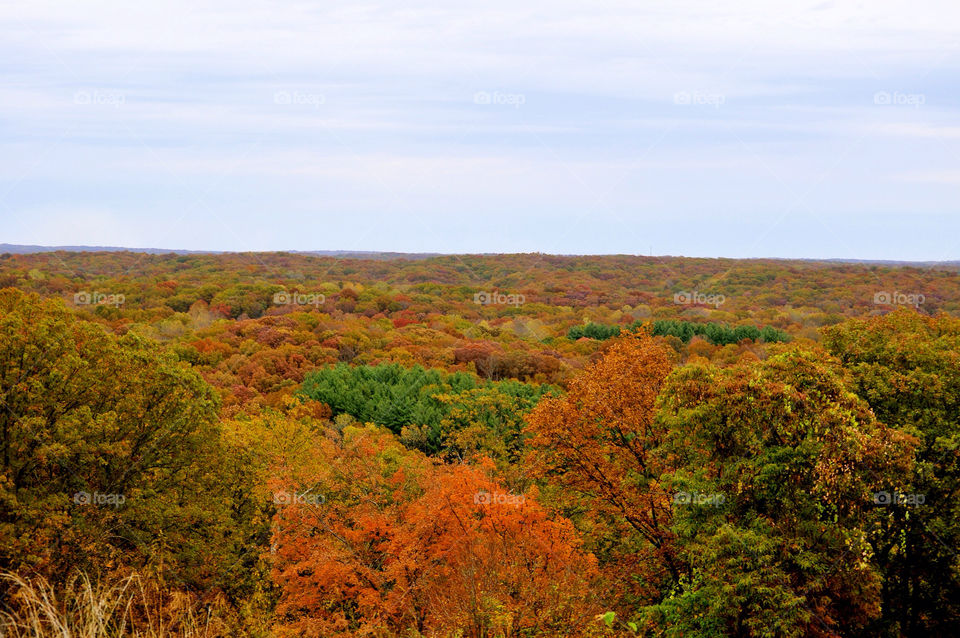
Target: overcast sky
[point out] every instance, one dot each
(801, 129)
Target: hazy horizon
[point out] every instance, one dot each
(334, 252)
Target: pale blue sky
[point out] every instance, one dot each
(806, 129)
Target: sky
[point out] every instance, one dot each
(733, 128)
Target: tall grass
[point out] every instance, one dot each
(93, 609)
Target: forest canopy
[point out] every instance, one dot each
(302, 446)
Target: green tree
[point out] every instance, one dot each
(110, 453)
(773, 467)
(907, 367)
(435, 404)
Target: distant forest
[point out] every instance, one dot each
(279, 444)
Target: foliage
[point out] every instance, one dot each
(715, 333)
(593, 331)
(438, 405)
(110, 455)
(742, 497)
(223, 395)
(598, 441)
(907, 367)
(399, 542)
(718, 334)
(789, 459)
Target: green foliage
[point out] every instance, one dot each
(594, 331)
(716, 333)
(388, 395)
(440, 403)
(907, 367)
(110, 454)
(788, 459)
(488, 421)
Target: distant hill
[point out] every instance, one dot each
(891, 262)
(22, 249)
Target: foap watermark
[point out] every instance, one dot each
(686, 298)
(496, 98)
(896, 98)
(99, 97)
(284, 298)
(896, 298)
(694, 498)
(499, 298)
(294, 498)
(84, 298)
(699, 98)
(299, 98)
(99, 499)
(499, 498)
(896, 498)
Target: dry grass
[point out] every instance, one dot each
(88, 609)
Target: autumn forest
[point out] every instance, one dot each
(477, 446)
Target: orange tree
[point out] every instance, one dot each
(596, 446)
(377, 539)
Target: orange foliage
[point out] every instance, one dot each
(397, 541)
(599, 438)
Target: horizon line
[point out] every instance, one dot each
(26, 249)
